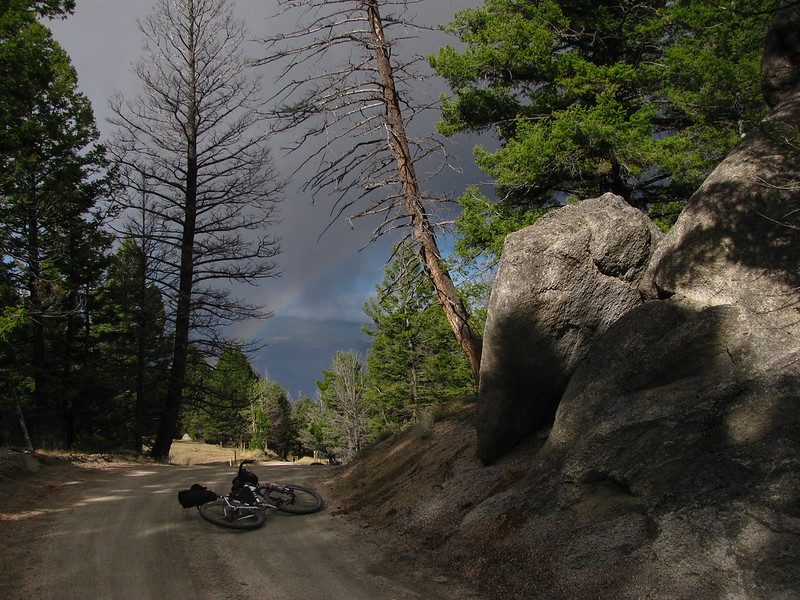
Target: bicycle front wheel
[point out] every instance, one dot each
(232, 516)
(294, 499)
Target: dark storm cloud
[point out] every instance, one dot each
(326, 279)
(298, 350)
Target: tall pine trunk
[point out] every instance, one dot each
(422, 229)
(183, 313)
(177, 375)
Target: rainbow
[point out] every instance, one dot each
(287, 300)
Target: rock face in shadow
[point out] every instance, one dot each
(561, 282)
(671, 466)
(780, 64)
(670, 470)
(738, 240)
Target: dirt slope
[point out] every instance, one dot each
(413, 490)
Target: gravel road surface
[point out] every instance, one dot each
(123, 535)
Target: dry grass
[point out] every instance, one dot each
(185, 452)
(182, 452)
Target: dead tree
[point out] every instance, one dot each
(193, 144)
(341, 85)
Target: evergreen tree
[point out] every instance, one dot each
(260, 425)
(51, 179)
(82, 267)
(311, 423)
(133, 349)
(14, 12)
(640, 99)
(272, 422)
(194, 409)
(228, 390)
(347, 413)
(414, 362)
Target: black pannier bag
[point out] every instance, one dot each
(195, 496)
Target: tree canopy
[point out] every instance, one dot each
(642, 99)
(15, 12)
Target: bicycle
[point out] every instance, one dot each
(248, 504)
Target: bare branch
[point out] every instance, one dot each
(353, 101)
(193, 153)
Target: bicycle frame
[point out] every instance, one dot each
(248, 503)
(261, 502)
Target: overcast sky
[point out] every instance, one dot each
(326, 280)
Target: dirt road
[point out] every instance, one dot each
(121, 534)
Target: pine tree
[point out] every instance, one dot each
(272, 421)
(133, 348)
(192, 147)
(640, 99)
(52, 177)
(227, 396)
(413, 363)
(346, 411)
(309, 418)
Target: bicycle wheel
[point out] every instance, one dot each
(294, 499)
(237, 516)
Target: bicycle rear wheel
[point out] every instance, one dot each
(294, 499)
(237, 516)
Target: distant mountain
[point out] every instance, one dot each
(297, 350)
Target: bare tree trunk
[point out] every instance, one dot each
(177, 374)
(183, 313)
(454, 308)
(28, 444)
(192, 142)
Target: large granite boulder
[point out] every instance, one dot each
(671, 471)
(560, 283)
(675, 405)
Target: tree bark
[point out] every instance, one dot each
(177, 375)
(38, 359)
(454, 308)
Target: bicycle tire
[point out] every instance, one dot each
(220, 513)
(298, 501)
